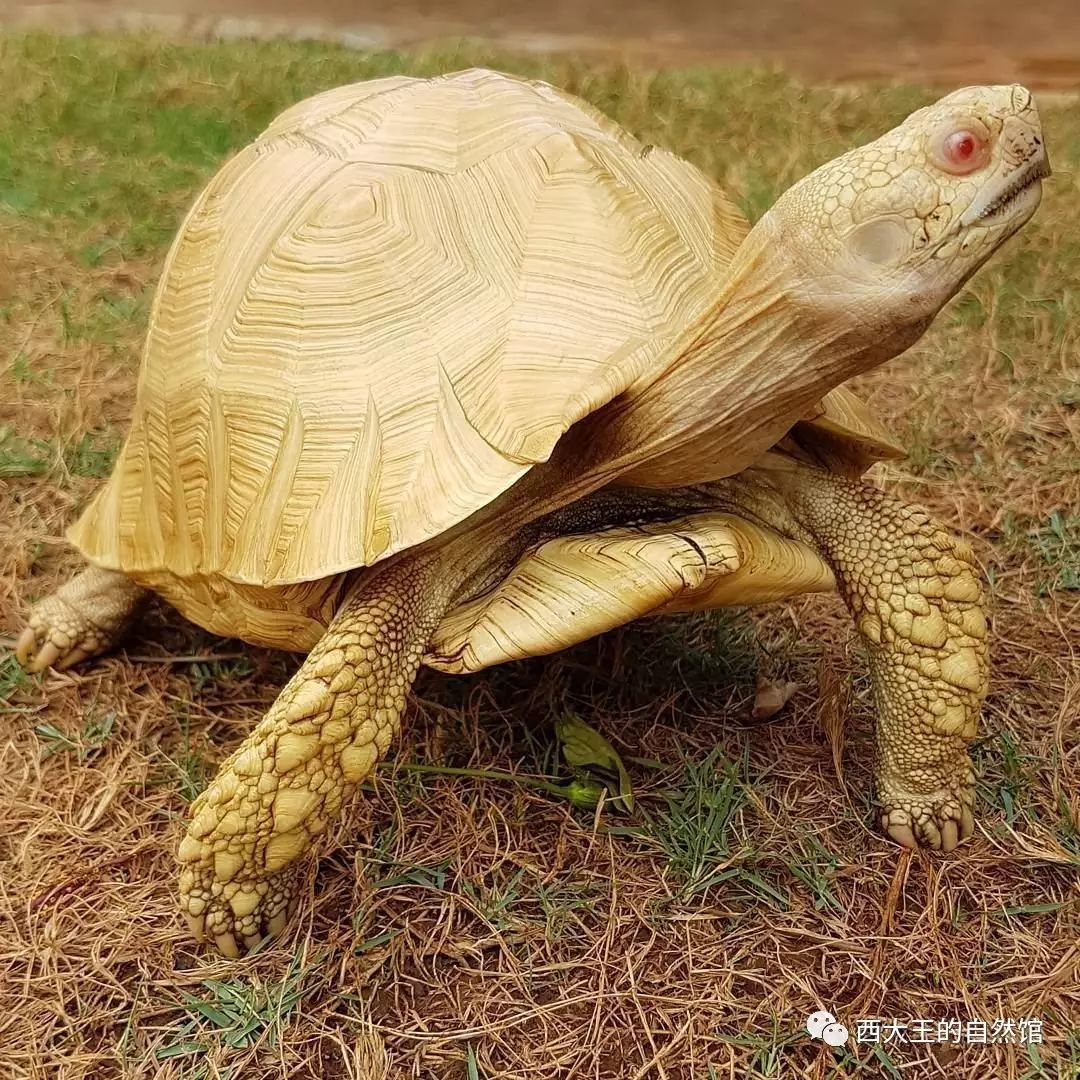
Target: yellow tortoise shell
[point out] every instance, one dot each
(381, 314)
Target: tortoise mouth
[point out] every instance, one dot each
(994, 204)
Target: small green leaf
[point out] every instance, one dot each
(1032, 909)
(585, 748)
(584, 794)
(375, 942)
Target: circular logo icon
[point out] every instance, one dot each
(817, 1022)
(834, 1035)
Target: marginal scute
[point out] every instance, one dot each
(845, 435)
(572, 587)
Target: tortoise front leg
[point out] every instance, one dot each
(914, 592)
(286, 783)
(83, 618)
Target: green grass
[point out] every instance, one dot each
(94, 735)
(1005, 773)
(815, 868)
(181, 764)
(696, 830)
(235, 1015)
(92, 454)
(709, 648)
(21, 457)
(112, 136)
(1054, 540)
(563, 903)
(1058, 544)
(13, 682)
(208, 675)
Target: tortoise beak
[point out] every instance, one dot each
(1008, 188)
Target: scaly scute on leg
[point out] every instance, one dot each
(83, 618)
(282, 788)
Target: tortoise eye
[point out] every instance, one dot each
(961, 151)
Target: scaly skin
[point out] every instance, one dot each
(83, 618)
(279, 791)
(915, 594)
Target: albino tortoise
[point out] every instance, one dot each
(455, 370)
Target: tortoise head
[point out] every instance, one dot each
(895, 227)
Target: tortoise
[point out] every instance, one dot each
(455, 370)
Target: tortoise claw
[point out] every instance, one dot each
(81, 619)
(275, 927)
(226, 945)
(76, 656)
(937, 821)
(196, 925)
(950, 836)
(27, 641)
(46, 656)
(902, 835)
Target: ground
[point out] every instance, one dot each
(939, 42)
(478, 926)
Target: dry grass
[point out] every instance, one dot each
(475, 928)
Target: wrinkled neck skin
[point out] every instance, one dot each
(775, 342)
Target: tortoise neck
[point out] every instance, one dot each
(752, 365)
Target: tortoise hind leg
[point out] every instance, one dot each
(286, 783)
(83, 618)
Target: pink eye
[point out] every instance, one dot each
(962, 151)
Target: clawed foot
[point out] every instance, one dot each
(59, 637)
(241, 857)
(83, 618)
(939, 820)
(255, 827)
(238, 914)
